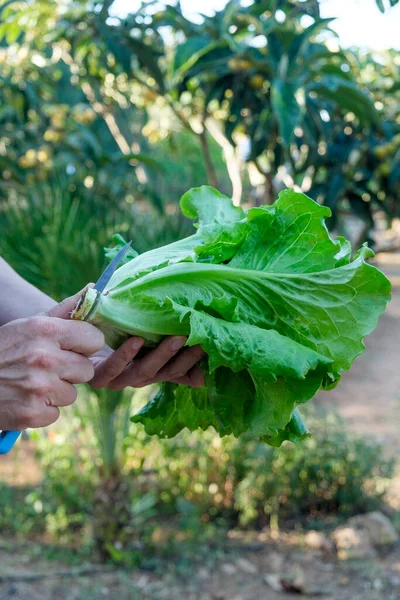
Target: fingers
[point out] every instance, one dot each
(144, 371)
(64, 309)
(44, 408)
(46, 417)
(37, 414)
(181, 365)
(80, 337)
(109, 369)
(73, 335)
(167, 362)
(73, 367)
(61, 394)
(160, 366)
(77, 336)
(42, 417)
(194, 378)
(48, 358)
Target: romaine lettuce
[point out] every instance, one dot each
(278, 306)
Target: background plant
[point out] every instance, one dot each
(104, 123)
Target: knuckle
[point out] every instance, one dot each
(37, 385)
(96, 336)
(41, 359)
(198, 352)
(141, 384)
(176, 370)
(196, 383)
(36, 414)
(42, 326)
(83, 370)
(31, 418)
(97, 382)
(142, 374)
(90, 372)
(99, 338)
(176, 374)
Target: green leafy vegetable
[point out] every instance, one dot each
(278, 306)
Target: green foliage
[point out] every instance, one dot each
(197, 479)
(55, 236)
(109, 413)
(102, 130)
(331, 472)
(382, 5)
(274, 80)
(263, 359)
(114, 97)
(180, 154)
(245, 481)
(362, 168)
(57, 231)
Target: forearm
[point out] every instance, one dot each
(18, 298)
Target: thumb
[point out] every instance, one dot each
(64, 309)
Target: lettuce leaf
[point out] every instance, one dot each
(278, 306)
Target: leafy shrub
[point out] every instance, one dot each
(334, 471)
(243, 481)
(56, 233)
(195, 481)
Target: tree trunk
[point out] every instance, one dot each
(111, 517)
(211, 174)
(269, 183)
(233, 163)
(270, 188)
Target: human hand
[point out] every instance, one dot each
(168, 362)
(41, 358)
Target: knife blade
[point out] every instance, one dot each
(108, 272)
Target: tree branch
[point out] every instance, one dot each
(232, 160)
(111, 122)
(211, 174)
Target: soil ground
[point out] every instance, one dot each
(368, 398)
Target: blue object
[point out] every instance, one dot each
(7, 440)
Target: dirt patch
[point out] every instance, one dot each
(368, 397)
(235, 574)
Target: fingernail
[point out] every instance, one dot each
(137, 344)
(178, 343)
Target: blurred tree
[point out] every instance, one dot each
(383, 5)
(255, 77)
(355, 168)
(267, 82)
(59, 106)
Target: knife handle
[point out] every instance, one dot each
(7, 440)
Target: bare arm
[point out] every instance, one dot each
(169, 362)
(18, 298)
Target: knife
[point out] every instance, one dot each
(8, 438)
